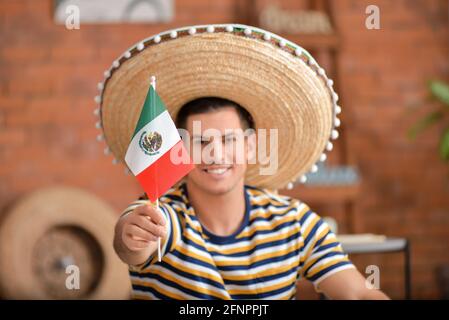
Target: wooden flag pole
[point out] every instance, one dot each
(153, 83)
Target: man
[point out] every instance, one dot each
(224, 234)
(223, 239)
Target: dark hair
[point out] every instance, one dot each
(210, 104)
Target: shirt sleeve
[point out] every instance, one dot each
(173, 232)
(321, 254)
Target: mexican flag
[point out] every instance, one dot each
(156, 154)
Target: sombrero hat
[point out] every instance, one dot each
(277, 81)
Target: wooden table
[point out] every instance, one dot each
(389, 245)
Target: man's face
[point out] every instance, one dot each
(224, 150)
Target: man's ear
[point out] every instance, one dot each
(251, 146)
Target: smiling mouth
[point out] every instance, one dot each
(217, 171)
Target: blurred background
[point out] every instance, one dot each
(387, 175)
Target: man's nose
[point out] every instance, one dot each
(217, 150)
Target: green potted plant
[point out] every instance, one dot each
(440, 91)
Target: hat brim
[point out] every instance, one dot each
(281, 88)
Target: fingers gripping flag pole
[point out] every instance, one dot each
(156, 154)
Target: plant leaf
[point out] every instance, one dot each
(424, 123)
(444, 145)
(440, 90)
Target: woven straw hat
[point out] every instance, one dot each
(50, 229)
(277, 81)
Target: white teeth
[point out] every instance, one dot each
(217, 171)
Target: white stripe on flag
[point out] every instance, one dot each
(136, 158)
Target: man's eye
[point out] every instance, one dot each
(200, 141)
(233, 139)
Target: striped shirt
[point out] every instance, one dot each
(280, 241)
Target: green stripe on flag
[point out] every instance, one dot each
(152, 107)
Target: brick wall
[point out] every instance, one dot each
(48, 78)
(405, 189)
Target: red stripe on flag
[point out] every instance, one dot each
(163, 174)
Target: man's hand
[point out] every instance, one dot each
(142, 227)
(136, 234)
